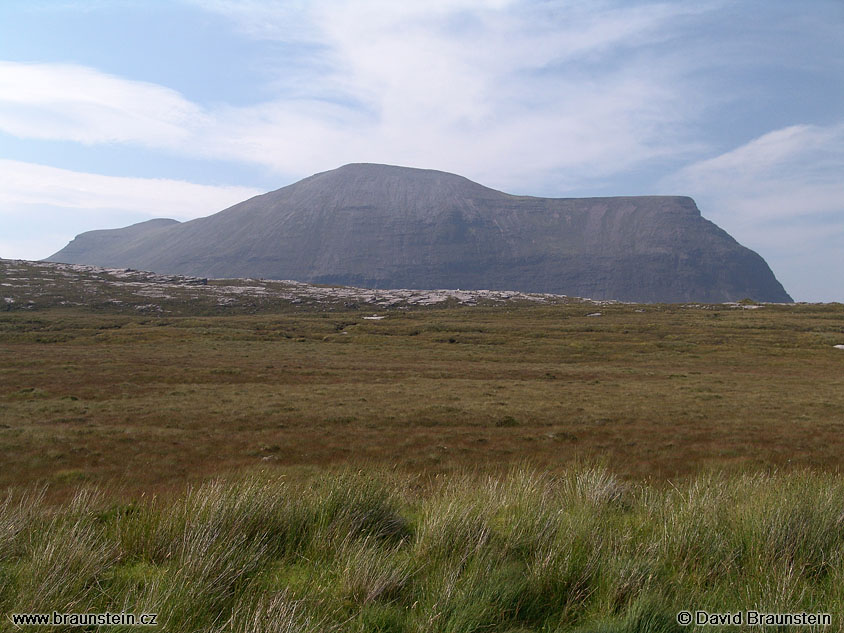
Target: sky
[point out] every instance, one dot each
(117, 111)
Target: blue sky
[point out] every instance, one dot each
(116, 111)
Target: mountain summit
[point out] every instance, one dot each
(381, 226)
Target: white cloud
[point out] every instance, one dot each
(491, 90)
(70, 102)
(23, 184)
(782, 194)
(786, 175)
(488, 89)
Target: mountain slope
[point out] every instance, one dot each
(392, 227)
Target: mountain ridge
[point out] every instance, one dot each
(384, 226)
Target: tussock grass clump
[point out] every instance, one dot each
(529, 551)
(65, 554)
(276, 614)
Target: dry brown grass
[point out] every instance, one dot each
(147, 403)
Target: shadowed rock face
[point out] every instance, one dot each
(393, 227)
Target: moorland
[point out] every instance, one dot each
(104, 392)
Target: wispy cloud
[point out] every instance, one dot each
(489, 89)
(506, 92)
(23, 184)
(75, 103)
(784, 176)
(781, 193)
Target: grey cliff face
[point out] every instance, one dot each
(393, 227)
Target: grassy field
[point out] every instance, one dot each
(148, 402)
(652, 390)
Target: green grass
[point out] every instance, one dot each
(348, 551)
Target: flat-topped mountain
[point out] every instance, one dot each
(381, 226)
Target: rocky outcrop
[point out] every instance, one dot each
(380, 226)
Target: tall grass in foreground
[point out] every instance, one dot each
(355, 552)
